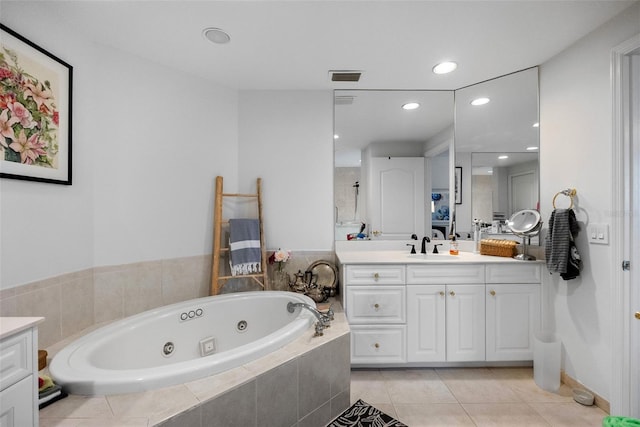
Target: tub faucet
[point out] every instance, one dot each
(324, 319)
(423, 248)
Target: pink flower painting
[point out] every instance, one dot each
(29, 118)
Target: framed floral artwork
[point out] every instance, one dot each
(35, 112)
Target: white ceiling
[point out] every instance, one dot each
(293, 44)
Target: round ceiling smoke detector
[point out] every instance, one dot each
(216, 35)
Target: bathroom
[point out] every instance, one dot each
(119, 240)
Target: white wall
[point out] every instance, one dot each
(576, 152)
(147, 144)
(167, 135)
(286, 138)
(47, 229)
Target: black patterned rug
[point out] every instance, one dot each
(361, 414)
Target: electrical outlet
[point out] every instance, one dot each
(207, 346)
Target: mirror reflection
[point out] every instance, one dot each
(497, 148)
(392, 152)
(397, 173)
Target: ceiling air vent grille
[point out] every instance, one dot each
(343, 99)
(345, 76)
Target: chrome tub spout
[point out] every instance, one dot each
(323, 319)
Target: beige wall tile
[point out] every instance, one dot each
(179, 280)
(77, 305)
(109, 293)
(144, 292)
(43, 302)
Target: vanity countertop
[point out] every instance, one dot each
(13, 325)
(404, 257)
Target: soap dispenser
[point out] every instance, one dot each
(453, 246)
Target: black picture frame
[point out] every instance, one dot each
(36, 104)
(458, 185)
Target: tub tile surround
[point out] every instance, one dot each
(75, 301)
(306, 382)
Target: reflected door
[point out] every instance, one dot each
(524, 192)
(397, 197)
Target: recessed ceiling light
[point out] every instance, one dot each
(336, 136)
(503, 157)
(216, 35)
(411, 106)
(480, 101)
(536, 125)
(445, 67)
(532, 148)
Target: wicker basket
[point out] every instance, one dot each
(42, 359)
(498, 247)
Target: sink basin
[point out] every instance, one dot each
(431, 255)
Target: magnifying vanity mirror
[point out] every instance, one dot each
(525, 223)
(399, 172)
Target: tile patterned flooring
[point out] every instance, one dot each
(451, 397)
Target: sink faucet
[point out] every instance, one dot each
(423, 248)
(323, 319)
(435, 248)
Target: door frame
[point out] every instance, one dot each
(624, 363)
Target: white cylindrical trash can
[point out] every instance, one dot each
(546, 361)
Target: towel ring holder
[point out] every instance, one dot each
(570, 193)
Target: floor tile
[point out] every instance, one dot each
(570, 414)
(504, 415)
(416, 386)
(369, 386)
(476, 385)
(433, 415)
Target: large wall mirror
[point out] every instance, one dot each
(497, 147)
(398, 171)
(393, 150)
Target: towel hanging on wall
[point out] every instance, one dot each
(245, 254)
(560, 249)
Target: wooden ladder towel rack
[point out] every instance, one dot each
(217, 280)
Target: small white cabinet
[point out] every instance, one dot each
(18, 372)
(446, 313)
(513, 311)
(426, 340)
(465, 323)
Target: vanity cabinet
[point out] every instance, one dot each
(18, 372)
(513, 310)
(446, 313)
(375, 303)
(418, 314)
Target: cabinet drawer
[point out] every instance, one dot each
(513, 273)
(378, 344)
(445, 274)
(16, 358)
(375, 275)
(376, 304)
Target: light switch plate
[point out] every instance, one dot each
(598, 234)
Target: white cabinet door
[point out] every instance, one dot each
(426, 323)
(397, 204)
(513, 317)
(465, 323)
(16, 404)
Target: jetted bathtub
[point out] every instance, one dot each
(180, 342)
